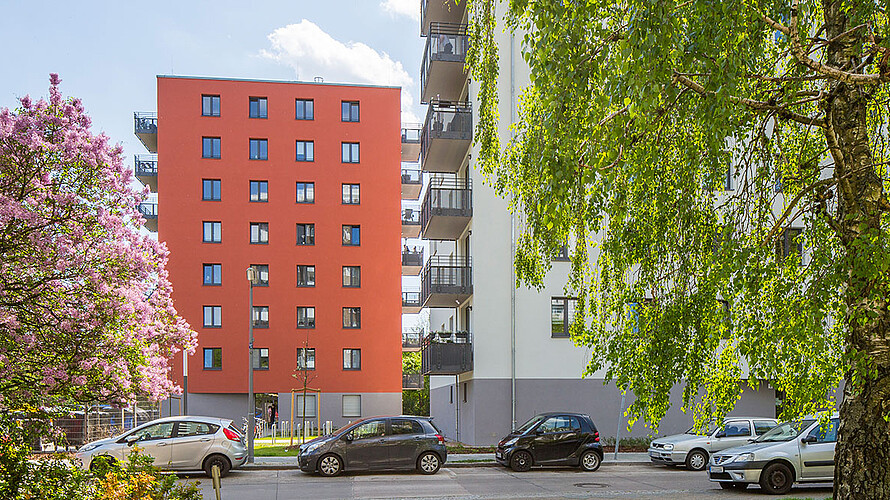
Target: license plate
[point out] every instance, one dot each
(716, 469)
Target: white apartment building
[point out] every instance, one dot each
(501, 354)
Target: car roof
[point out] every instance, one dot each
(553, 413)
(741, 417)
(192, 418)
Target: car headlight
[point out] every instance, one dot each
(744, 457)
(310, 448)
(88, 447)
(510, 442)
(668, 447)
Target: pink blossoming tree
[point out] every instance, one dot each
(85, 301)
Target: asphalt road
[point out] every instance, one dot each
(613, 481)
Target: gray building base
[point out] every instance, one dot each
(481, 407)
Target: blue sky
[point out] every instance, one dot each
(109, 52)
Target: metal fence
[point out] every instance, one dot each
(99, 421)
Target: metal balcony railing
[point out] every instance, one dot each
(411, 133)
(446, 136)
(410, 217)
(412, 381)
(146, 165)
(446, 43)
(412, 257)
(446, 197)
(446, 281)
(149, 210)
(446, 353)
(410, 299)
(146, 122)
(411, 340)
(411, 176)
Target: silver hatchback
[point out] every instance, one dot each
(176, 443)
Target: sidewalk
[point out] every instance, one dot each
(454, 460)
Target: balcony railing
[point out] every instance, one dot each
(446, 136)
(410, 222)
(411, 176)
(412, 381)
(149, 212)
(442, 72)
(411, 340)
(146, 129)
(412, 183)
(446, 281)
(146, 170)
(412, 257)
(438, 11)
(447, 208)
(446, 353)
(410, 302)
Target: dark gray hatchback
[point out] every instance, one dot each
(552, 439)
(377, 443)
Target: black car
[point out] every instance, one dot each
(552, 439)
(377, 443)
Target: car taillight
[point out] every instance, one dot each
(231, 435)
(596, 437)
(440, 438)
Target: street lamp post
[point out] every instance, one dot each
(251, 404)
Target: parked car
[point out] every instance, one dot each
(377, 443)
(552, 439)
(693, 449)
(778, 459)
(176, 443)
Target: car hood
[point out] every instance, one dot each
(510, 436)
(100, 442)
(318, 440)
(751, 448)
(679, 438)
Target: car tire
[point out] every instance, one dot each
(330, 465)
(220, 461)
(776, 479)
(697, 460)
(590, 461)
(521, 461)
(428, 463)
(734, 486)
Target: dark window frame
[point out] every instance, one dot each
(212, 231)
(355, 313)
(262, 149)
(303, 272)
(308, 326)
(213, 316)
(305, 185)
(262, 107)
(211, 97)
(215, 188)
(354, 194)
(259, 322)
(308, 157)
(297, 110)
(309, 227)
(566, 319)
(352, 359)
(350, 158)
(350, 111)
(352, 277)
(260, 192)
(259, 226)
(259, 358)
(215, 270)
(215, 154)
(354, 230)
(306, 358)
(259, 272)
(213, 350)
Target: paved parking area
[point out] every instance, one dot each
(615, 481)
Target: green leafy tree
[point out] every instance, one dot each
(728, 162)
(415, 402)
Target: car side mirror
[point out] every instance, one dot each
(131, 440)
(808, 440)
(348, 437)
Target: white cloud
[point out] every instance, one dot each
(409, 8)
(311, 52)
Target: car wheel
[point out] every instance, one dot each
(428, 463)
(696, 460)
(330, 465)
(521, 461)
(734, 486)
(220, 461)
(776, 479)
(590, 461)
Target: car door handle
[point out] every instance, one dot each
(418, 439)
(162, 443)
(204, 440)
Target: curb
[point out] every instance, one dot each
(450, 465)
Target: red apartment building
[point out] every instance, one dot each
(302, 182)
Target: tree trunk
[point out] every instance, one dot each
(862, 456)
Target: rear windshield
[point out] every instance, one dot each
(234, 429)
(435, 428)
(784, 432)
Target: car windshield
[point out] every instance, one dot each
(784, 432)
(528, 425)
(707, 431)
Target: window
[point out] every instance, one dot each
(352, 317)
(209, 105)
(305, 317)
(406, 426)
(305, 358)
(789, 243)
(305, 192)
(259, 149)
(259, 233)
(259, 358)
(763, 426)
(212, 232)
(370, 430)
(260, 316)
(737, 428)
(728, 181)
(188, 429)
(350, 152)
(305, 234)
(213, 358)
(349, 111)
(262, 274)
(259, 191)
(211, 147)
(306, 276)
(825, 433)
(352, 405)
(211, 190)
(310, 406)
(212, 274)
(350, 194)
(561, 423)
(562, 313)
(352, 276)
(305, 109)
(352, 359)
(562, 253)
(155, 432)
(258, 107)
(352, 235)
(305, 151)
(212, 316)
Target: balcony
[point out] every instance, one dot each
(446, 136)
(412, 184)
(149, 211)
(410, 302)
(412, 381)
(410, 223)
(146, 169)
(411, 341)
(446, 281)
(446, 353)
(410, 142)
(443, 74)
(447, 209)
(440, 11)
(146, 128)
(412, 261)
